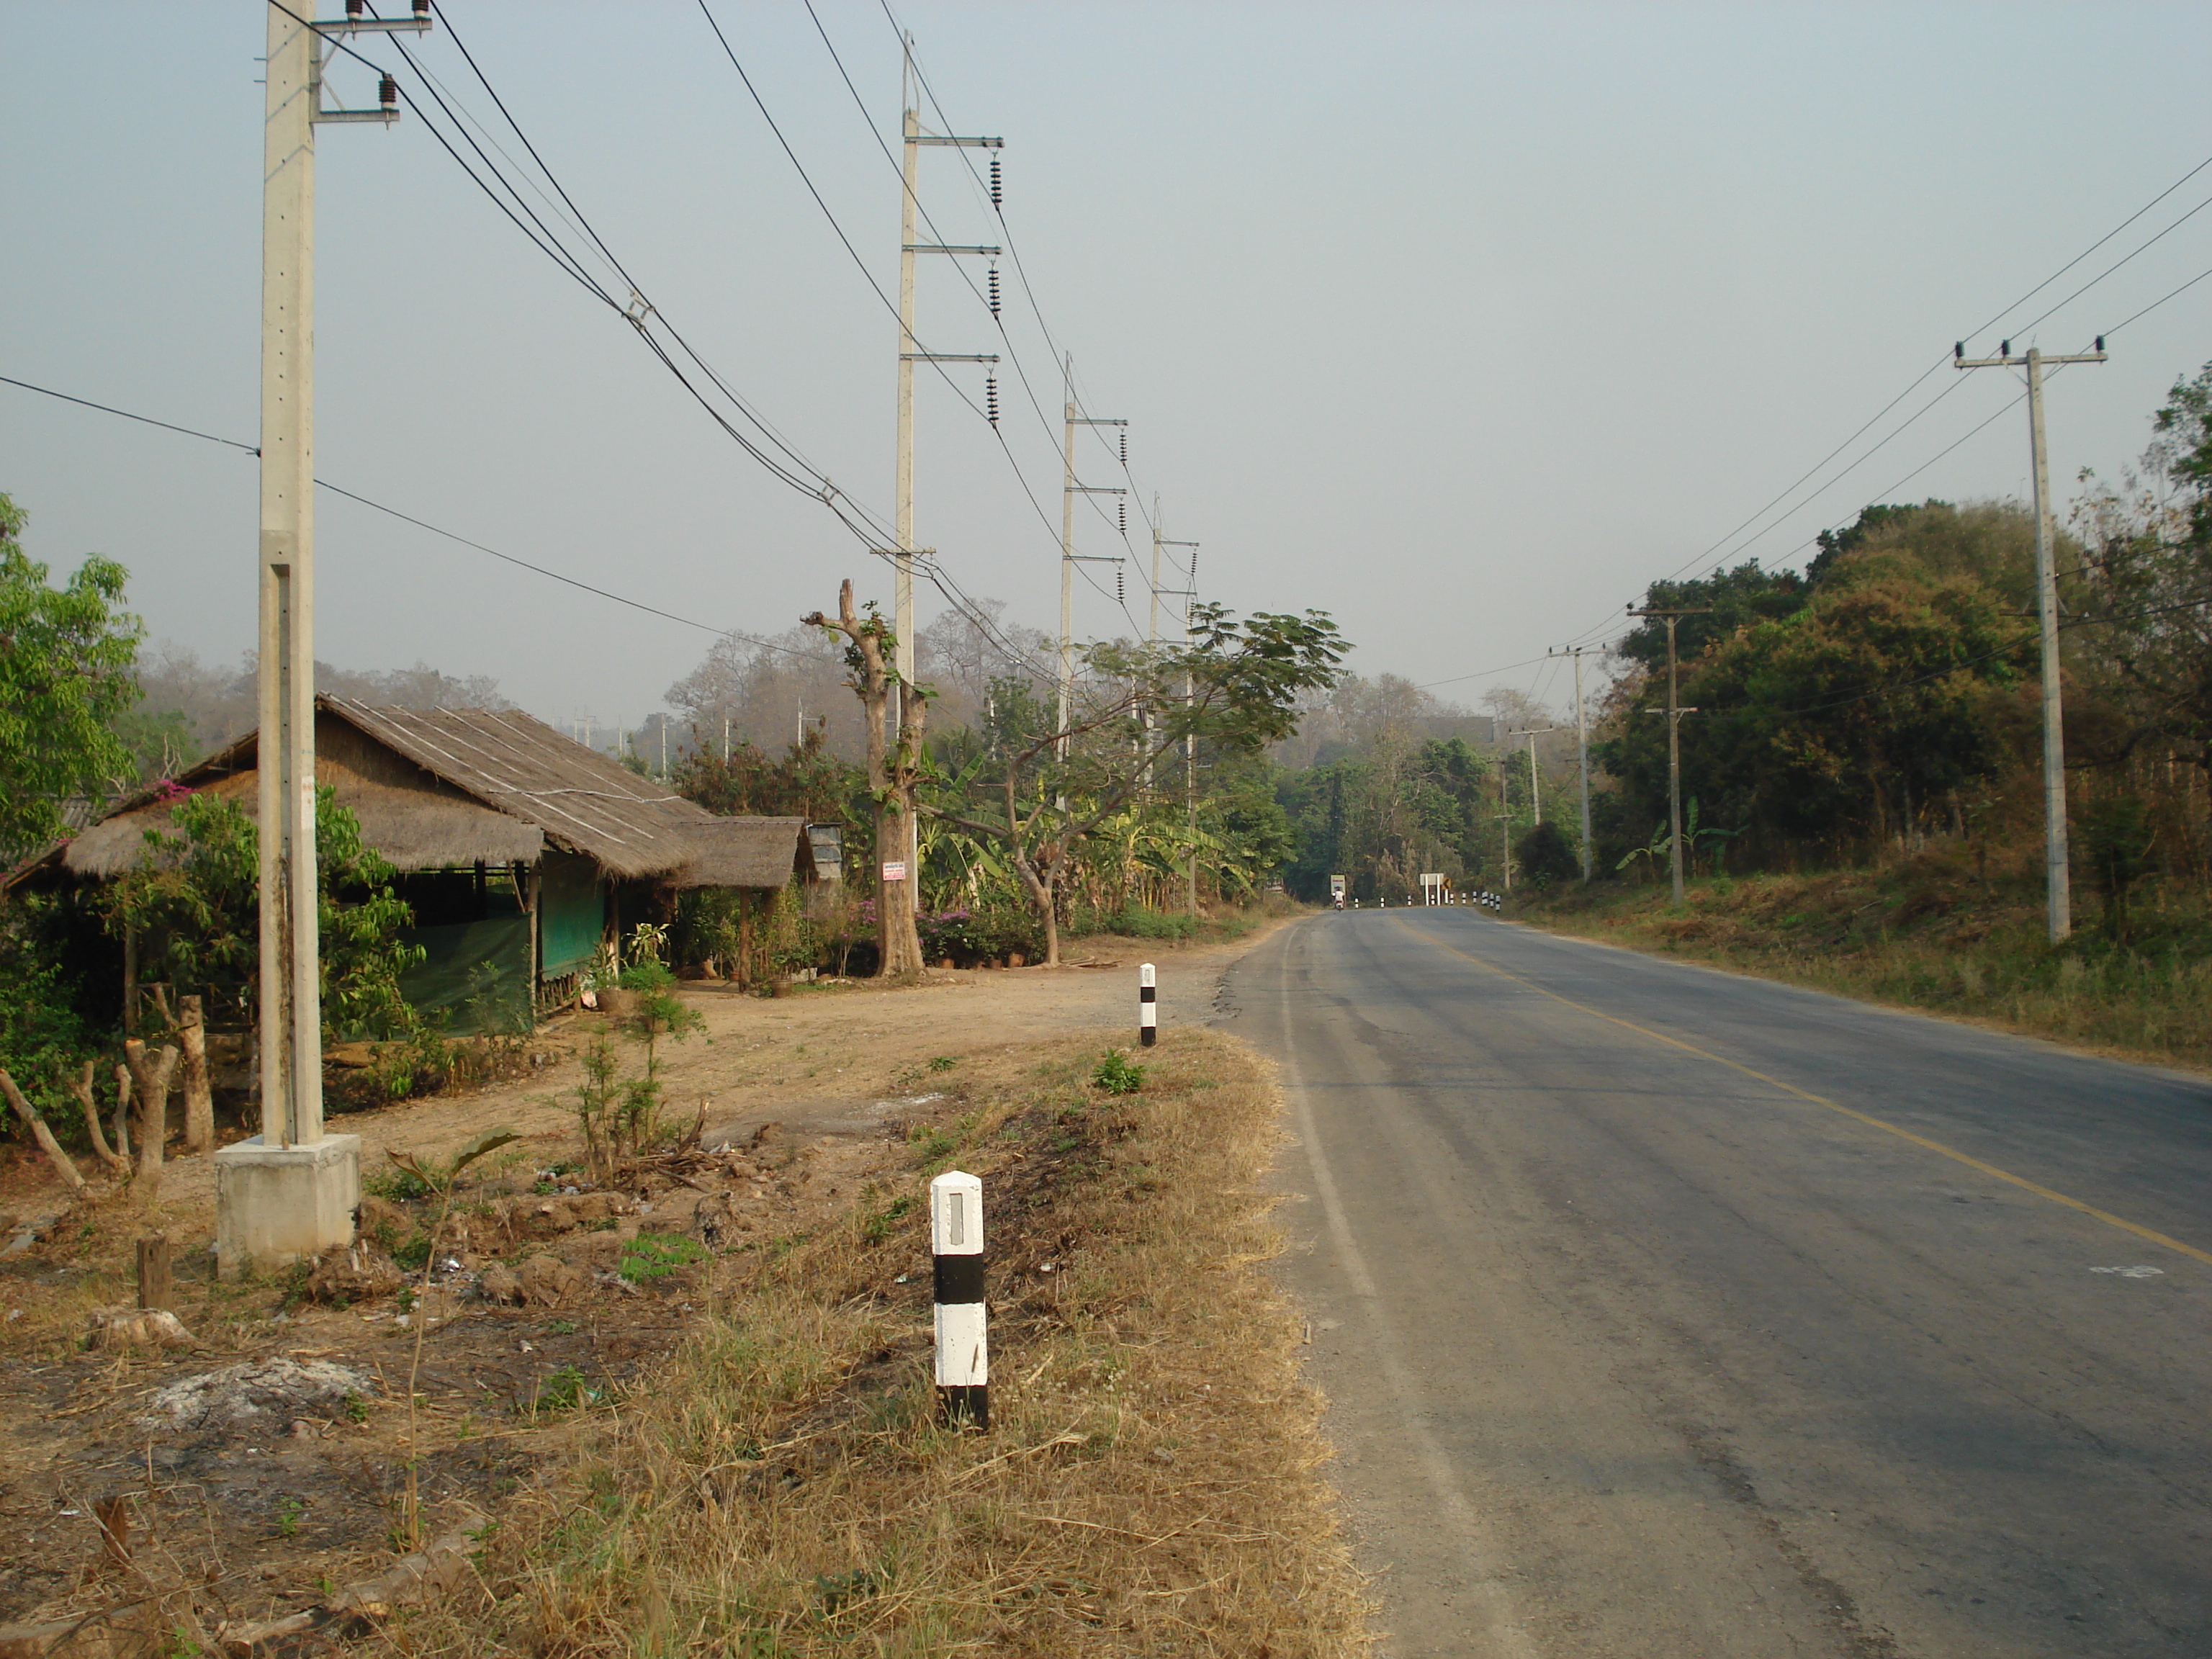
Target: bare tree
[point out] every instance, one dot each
(895, 762)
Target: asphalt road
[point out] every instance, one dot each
(1667, 1312)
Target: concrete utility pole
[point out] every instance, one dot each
(1582, 753)
(1674, 713)
(1535, 798)
(1190, 755)
(910, 353)
(2057, 878)
(1159, 541)
(292, 1190)
(1504, 833)
(1069, 558)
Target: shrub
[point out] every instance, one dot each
(1116, 1075)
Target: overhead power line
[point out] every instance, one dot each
(1720, 550)
(420, 524)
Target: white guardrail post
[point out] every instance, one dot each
(1148, 1010)
(956, 1244)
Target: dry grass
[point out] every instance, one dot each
(1931, 933)
(1150, 1484)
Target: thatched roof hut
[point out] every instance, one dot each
(549, 845)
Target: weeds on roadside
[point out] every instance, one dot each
(1116, 1075)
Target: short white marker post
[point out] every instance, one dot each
(956, 1243)
(1148, 1010)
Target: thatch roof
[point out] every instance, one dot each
(416, 821)
(582, 800)
(748, 853)
(438, 787)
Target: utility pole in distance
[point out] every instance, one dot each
(910, 354)
(1069, 556)
(2058, 881)
(291, 1191)
(1581, 751)
(1674, 713)
(1535, 795)
(1152, 631)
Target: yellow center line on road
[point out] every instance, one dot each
(1867, 1118)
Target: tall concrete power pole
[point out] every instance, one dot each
(1674, 713)
(2058, 890)
(291, 1191)
(1535, 797)
(910, 353)
(1582, 755)
(1069, 558)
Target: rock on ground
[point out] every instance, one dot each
(256, 1395)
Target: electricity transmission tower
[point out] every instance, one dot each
(2057, 881)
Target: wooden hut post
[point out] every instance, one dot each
(744, 937)
(526, 882)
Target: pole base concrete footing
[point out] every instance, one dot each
(277, 1205)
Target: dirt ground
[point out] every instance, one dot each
(280, 1483)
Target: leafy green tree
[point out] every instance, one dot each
(1233, 687)
(194, 900)
(2148, 634)
(65, 677)
(1726, 601)
(1546, 857)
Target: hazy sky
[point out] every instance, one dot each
(1458, 322)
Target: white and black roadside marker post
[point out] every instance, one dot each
(956, 1243)
(1148, 1009)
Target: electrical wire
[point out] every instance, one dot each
(420, 524)
(1013, 251)
(1036, 506)
(1715, 553)
(795, 470)
(1013, 352)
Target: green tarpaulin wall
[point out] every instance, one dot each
(475, 976)
(571, 913)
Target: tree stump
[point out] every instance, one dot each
(154, 1272)
(199, 1096)
(154, 1074)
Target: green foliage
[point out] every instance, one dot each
(619, 1117)
(2116, 839)
(1400, 805)
(162, 745)
(194, 902)
(44, 1035)
(655, 1255)
(396, 1185)
(1134, 922)
(1116, 1075)
(1886, 687)
(1546, 857)
(876, 1226)
(66, 655)
(565, 1388)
